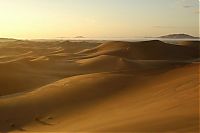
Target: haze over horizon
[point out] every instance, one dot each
(30, 19)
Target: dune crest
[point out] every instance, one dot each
(147, 50)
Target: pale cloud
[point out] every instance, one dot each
(189, 3)
(165, 27)
(188, 6)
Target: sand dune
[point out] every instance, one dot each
(151, 50)
(37, 63)
(63, 86)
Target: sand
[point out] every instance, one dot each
(63, 86)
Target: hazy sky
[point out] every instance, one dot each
(97, 18)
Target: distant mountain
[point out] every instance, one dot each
(179, 36)
(79, 37)
(7, 39)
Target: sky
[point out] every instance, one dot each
(31, 19)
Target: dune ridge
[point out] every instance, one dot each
(149, 50)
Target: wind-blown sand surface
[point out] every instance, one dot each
(62, 86)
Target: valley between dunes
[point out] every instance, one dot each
(63, 86)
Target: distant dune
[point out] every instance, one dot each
(63, 86)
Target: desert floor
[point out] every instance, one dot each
(71, 86)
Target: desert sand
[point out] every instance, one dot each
(66, 86)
